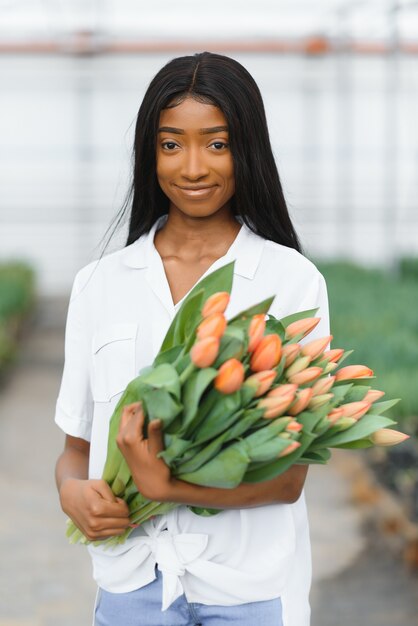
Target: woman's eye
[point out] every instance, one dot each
(219, 145)
(169, 145)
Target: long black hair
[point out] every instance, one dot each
(221, 81)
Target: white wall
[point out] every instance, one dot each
(343, 131)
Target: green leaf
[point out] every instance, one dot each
(275, 327)
(168, 356)
(367, 425)
(204, 512)
(356, 445)
(163, 376)
(256, 309)
(232, 345)
(381, 407)
(356, 393)
(192, 392)
(203, 456)
(174, 447)
(320, 456)
(219, 280)
(294, 317)
(339, 392)
(159, 404)
(226, 470)
(245, 422)
(269, 450)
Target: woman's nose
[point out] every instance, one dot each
(194, 165)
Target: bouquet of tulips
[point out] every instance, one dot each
(241, 400)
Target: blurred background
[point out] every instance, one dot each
(340, 84)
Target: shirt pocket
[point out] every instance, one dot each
(113, 355)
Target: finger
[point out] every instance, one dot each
(133, 429)
(104, 491)
(155, 437)
(128, 412)
(114, 509)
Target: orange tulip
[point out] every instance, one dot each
(355, 409)
(290, 351)
(323, 385)
(294, 427)
(290, 448)
(334, 355)
(205, 351)
(267, 354)
(353, 371)
(303, 398)
(373, 395)
(212, 326)
(274, 407)
(316, 347)
(216, 303)
(263, 381)
(230, 376)
(282, 390)
(306, 376)
(387, 437)
(256, 331)
(302, 327)
(334, 415)
(300, 364)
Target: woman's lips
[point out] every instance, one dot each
(201, 192)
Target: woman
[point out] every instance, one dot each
(205, 191)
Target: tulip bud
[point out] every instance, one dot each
(334, 355)
(267, 354)
(355, 409)
(330, 367)
(345, 422)
(216, 303)
(256, 331)
(290, 351)
(334, 415)
(263, 381)
(300, 364)
(316, 347)
(303, 398)
(230, 376)
(373, 395)
(204, 352)
(294, 427)
(323, 385)
(274, 407)
(353, 371)
(212, 326)
(387, 437)
(302, 327)
(320, 400)
(290, 448)
(282, 390)
(307, 376)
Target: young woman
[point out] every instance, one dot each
(205, 192)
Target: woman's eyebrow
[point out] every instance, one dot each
(202, 131)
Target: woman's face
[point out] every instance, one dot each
(194, 162)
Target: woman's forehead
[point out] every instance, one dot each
(192, 115)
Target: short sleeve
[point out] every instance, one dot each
(74, 406)
(316, 297)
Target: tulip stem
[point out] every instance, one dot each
(186, 372)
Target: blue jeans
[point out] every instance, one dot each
(142, 607)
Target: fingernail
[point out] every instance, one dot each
(134, 525)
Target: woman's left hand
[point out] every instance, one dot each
(150, 474)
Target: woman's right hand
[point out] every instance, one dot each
(94, 508)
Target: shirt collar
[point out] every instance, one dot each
(246, 249)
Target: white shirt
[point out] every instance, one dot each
(120, 309)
